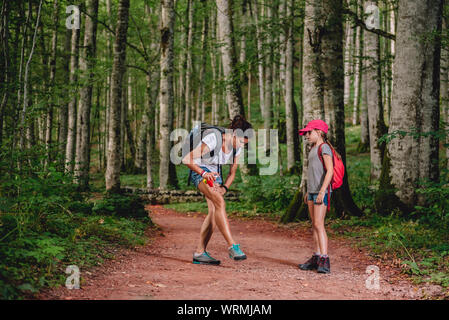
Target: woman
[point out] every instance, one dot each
(206, 169)
(318, 186)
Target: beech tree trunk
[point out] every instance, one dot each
(166, 92)
(291, 113)
(87, 64)
(71, 121)
(233, 91)
(118, 69)
(375, 106)
(415, 106)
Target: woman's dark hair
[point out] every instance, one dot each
(239, 122)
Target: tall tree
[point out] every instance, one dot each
(86, 64)
(189, 68)
(118, 69)
(413, 157)
(166, 92)
(52, 92)
(232, 78)
(71, 121)
(375, 105)
(291, 113)
(333, 71)
(323, 94)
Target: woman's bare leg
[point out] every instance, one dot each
(207, 228)
(221, 218)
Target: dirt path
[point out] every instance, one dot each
(164, 269)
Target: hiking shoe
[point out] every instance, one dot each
(204, 258)
(324, 265)
(236, 253)
(310, 264)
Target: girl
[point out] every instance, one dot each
(318, 184)
(206, 168)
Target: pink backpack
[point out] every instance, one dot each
(339, 172)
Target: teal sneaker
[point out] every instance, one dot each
(236, 253)
(204, 258)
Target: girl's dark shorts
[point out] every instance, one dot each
(313, 196)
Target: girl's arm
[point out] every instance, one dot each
(328, 178)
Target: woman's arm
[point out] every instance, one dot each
(201, 150)
(232, 172)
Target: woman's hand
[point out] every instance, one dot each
(320, 197)
(210, 176)
(306, 195)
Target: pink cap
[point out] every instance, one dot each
(314, 124)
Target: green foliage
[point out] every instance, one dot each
(436, 195)
(269, 194)
(128, 205)
(47, 224)
(422, 247)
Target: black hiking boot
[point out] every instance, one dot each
(324, 265)
(310, 264)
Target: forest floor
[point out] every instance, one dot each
(163, 268)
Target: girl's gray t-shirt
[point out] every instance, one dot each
(315, 171)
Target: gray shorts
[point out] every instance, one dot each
(196, 178)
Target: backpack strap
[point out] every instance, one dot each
(320, 156)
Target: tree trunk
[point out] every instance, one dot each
(201, 100)
(415, 107)
(357, 68)
(268, 101)
(231, 74)
(52, 94)
(364, 124)
(291, 113)
(26, 83)
(444, 88)
(71, 121)
(260, 60)
(213, 62)
(118, 69)
(333, 67)
(87, 64)
(373, 76)
(189, 66)
(166, 93)
(312, 95)
(63, 109)
(348, 50)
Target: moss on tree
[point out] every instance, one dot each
(296, 210)
(386, 201)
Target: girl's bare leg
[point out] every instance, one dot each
(314, 231)
(319, 212)
(207, 228)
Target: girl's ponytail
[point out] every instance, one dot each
(326, 140)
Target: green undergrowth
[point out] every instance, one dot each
(419, 248)
(46, 224)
